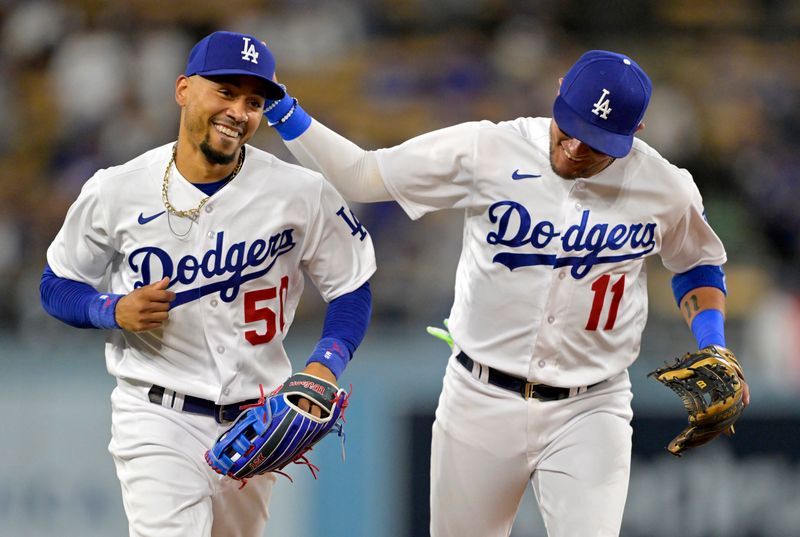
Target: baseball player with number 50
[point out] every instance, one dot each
(193, 256)
(550, 295)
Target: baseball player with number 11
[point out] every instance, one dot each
(193, 256)
(550, 292)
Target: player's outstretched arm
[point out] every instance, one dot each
(352, 170)
(145, 308)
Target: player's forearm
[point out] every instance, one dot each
(352, 170)
(703, 309)
(76, 303)
(699, 300)
(700, 294)
(345, 325)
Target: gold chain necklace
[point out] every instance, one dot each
(191, 213)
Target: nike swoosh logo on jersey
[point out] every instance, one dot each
(517, 176)
(145, 219)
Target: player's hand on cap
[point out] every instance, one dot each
(145, 308)
(320, 371)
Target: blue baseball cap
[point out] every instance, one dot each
(602, 101)
(231, 53)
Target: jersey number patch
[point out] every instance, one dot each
(600, 288)
(253, 313)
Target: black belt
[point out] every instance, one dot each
(195, 405)
(522, 386)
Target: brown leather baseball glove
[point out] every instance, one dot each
(710, 382)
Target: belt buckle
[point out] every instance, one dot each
(219, 410)
(530, 392)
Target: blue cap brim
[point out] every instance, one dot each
(274, 91)
(596, 137)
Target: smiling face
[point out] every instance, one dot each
(570, 158)
(219, 114)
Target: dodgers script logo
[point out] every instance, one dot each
(153, 263)
(515, 229)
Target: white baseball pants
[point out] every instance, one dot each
(168, 490)
(489, 443)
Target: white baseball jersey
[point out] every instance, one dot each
(237, 271)
(551, 283)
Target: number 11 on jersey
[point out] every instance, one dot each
(600, 288)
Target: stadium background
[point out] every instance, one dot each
(88, 84)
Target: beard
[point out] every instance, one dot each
(553, 165)
(214, 156)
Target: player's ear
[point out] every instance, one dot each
(181, 88)
(640, 127)
(560, 80)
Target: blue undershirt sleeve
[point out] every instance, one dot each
(345, 325)
(76, 303)
(700, 276)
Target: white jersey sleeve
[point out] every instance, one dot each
(432, 171)
(83, 248)
(351, 169)
(691, 241)
(333, 256)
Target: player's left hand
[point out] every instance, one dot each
(320, 371)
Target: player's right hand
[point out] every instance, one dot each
(145, 308)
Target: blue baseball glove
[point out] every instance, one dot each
(275, 432)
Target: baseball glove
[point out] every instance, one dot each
(274, 432)
(710, 383)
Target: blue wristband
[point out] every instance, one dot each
(332, 353)
(708, 328)
(277, 109)
(102, 310)
(287, 117)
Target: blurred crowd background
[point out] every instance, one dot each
(88, 84)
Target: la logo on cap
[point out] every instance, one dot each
(602, 107)
(249, 51)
